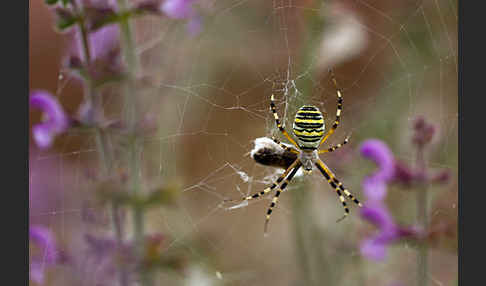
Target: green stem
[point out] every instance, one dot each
(127, 38)
(123, 273)
(130, 57)
(131, 118)
(84, 37)
(101, 147)
(300, 218)
(94, 100)
(138, 225)
(84, 33)
(90, 96)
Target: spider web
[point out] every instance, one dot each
(210, 93)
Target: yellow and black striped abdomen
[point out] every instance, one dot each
(308, 127)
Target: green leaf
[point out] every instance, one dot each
(64, 23)
(65, 18)
(54, 2)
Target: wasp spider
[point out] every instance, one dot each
(309, 128)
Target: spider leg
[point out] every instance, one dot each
(334, 148)
(279, 125)
(339, 109)
(285, 147)
(274, 185)
(337, 185)
(340, 185)
(277, 194)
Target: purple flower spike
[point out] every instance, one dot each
(375, 210)
(45, 241)
(56, 122)
(374, 186)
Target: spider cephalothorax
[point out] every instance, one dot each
(308, 159)
(309, 128)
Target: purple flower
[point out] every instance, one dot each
(374, 186)
(44, 240)
(375, 247)
(423, 132)
(104, 49)
(377, 214)
(178, 9)
(101, 43)
(182, 9)
(95, 12)
(403, 174)
(375, 210)
(55, 120)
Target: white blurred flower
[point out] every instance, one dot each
(344, 37)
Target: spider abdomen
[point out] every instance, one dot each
(308, 127)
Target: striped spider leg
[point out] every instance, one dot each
(337, 185)
(338, 112)
(285, 147)
(279, 191)
(334, 148)
(273, 108)
(274, 185)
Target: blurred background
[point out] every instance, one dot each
(205, 93)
